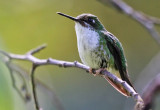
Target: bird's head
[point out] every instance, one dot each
(86, 20)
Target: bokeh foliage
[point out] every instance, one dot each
(25, 24)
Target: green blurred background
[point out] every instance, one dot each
(25, 24)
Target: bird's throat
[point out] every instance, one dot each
(87, 42)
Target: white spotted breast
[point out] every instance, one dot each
(88, 42)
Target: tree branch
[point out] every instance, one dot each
(26, 98)
(34, 86)
(146, 21)
(24, 88)
(150, 91)
(39, 62)
(24, 74)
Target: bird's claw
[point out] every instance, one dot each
(92, 71)
(95, 72)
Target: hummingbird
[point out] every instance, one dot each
(98, 48)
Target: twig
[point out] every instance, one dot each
(34, 86)
(150, 91)
(38, 62)
(24, 88)
(146, 21)
(27, 96)
(24, 73)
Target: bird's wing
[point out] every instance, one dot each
(116, 50)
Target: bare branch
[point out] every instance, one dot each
(46, 89)
(39, 62)
(34, 87)
(146, 21)
(24, 88)
(33, 51)
(150, 91)
(26, 98)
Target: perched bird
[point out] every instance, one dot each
(98, 48)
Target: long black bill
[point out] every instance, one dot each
(70, 17)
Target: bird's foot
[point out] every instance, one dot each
(95, 72)
(92, 71)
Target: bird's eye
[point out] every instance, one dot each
(91, 20)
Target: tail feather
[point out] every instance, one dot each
(125, 77)
(118, 87)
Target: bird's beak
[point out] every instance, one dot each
(70, 17)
